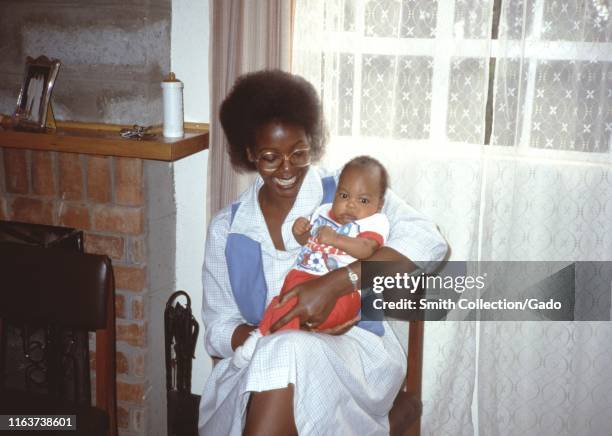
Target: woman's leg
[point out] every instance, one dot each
(270, 413)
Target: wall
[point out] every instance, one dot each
(162, 249)
(189, 55)
(113, 52)
(190, 59)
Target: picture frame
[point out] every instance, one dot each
(33, 103)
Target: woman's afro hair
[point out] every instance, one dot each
(270, 95)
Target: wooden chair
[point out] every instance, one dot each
(405, 415)
(60, 296)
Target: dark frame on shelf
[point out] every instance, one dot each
(34, 98)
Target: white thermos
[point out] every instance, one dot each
(172, 90)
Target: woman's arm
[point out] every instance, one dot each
(241, 334)
(220, 314)
(317, 297)
(413, 235)
(413, 240)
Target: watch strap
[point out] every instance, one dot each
(353, 277)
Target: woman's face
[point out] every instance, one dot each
(285, 140)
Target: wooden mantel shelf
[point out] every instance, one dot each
(104, 139)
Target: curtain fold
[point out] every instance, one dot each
(246, 35)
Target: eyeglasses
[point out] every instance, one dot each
(270, 161)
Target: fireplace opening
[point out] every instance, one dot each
(53, 296)
(45, 359)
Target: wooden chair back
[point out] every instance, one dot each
(57, 289)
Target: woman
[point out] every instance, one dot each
(336, 382)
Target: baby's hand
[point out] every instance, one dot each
(326, 235)
(301, 226)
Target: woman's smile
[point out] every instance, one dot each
(285, 183)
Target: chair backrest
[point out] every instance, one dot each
(414, 370)
(64, 289)
(51, 285)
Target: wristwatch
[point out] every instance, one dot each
(353, 277)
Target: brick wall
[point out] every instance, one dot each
(104, 197)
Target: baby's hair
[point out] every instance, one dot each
(366, 162)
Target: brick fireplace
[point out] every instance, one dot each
(125, 208)
(145, 212)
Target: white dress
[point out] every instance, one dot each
(342, 384)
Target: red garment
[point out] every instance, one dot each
(347, 307)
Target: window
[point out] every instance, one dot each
(532, 74)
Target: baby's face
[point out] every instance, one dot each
(358, 195)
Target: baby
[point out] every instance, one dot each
(337, 234)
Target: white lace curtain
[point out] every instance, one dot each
(495, 119)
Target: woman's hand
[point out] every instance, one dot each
(315, 299)
(241, 333)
